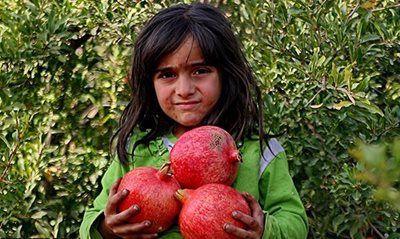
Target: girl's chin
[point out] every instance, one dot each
(189, 122)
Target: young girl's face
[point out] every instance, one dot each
(187, 89)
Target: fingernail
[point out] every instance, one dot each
(147, 223)
(226, 226)
(136, 207)
(125, 191)
(234, 213)
(246, 194)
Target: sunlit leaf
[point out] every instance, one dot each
(39, 215)
(370, 107)
(316, 106)
(341, 104)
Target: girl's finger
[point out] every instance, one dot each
(250, 221)
(141, 236)
(114, 187)
(123, 216)
(131, 230)
(254, 222)
(114, 198)
(256, 210)
(237, 231)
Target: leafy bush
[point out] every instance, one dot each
(329, 70)
(380, 167)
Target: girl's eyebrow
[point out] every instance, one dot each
(199, 63)
(194, 64)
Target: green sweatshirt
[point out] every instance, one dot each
(267, 178)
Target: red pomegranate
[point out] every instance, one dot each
(206, 154)
(153, 190)
(206, 209)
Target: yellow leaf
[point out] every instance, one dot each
(342, 104)
(316, 106)
(348, 76)
(369, 4)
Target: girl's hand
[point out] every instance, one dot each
(115, 225)
(255, 222)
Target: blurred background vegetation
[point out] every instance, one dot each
(329, 71)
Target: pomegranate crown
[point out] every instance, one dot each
(165, 173)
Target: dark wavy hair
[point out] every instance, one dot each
(239, 109)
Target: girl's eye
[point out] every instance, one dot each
(166, 75)
(202, 71)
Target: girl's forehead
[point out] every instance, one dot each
(189, 51)
(205, 46)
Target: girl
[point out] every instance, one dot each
(188, 70)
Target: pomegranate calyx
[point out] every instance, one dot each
(165, 173)
(235, 156)
(182, 194)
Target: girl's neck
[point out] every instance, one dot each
(180, 129)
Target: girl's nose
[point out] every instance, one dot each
(185, 86)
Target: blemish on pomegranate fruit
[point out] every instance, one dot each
(216, 142)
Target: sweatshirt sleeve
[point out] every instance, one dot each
(285, 216)
(88, 228)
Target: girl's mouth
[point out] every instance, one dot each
(187, 104)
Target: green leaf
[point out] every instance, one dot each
(338, 221)
(369, 106)
(394, 235)
(334, 74)
(348, 76)
(42, 230)
(396, 151)
(321, 61)
(369, 37)
(5, 141)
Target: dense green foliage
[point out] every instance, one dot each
(329, 70)
(380, 167)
